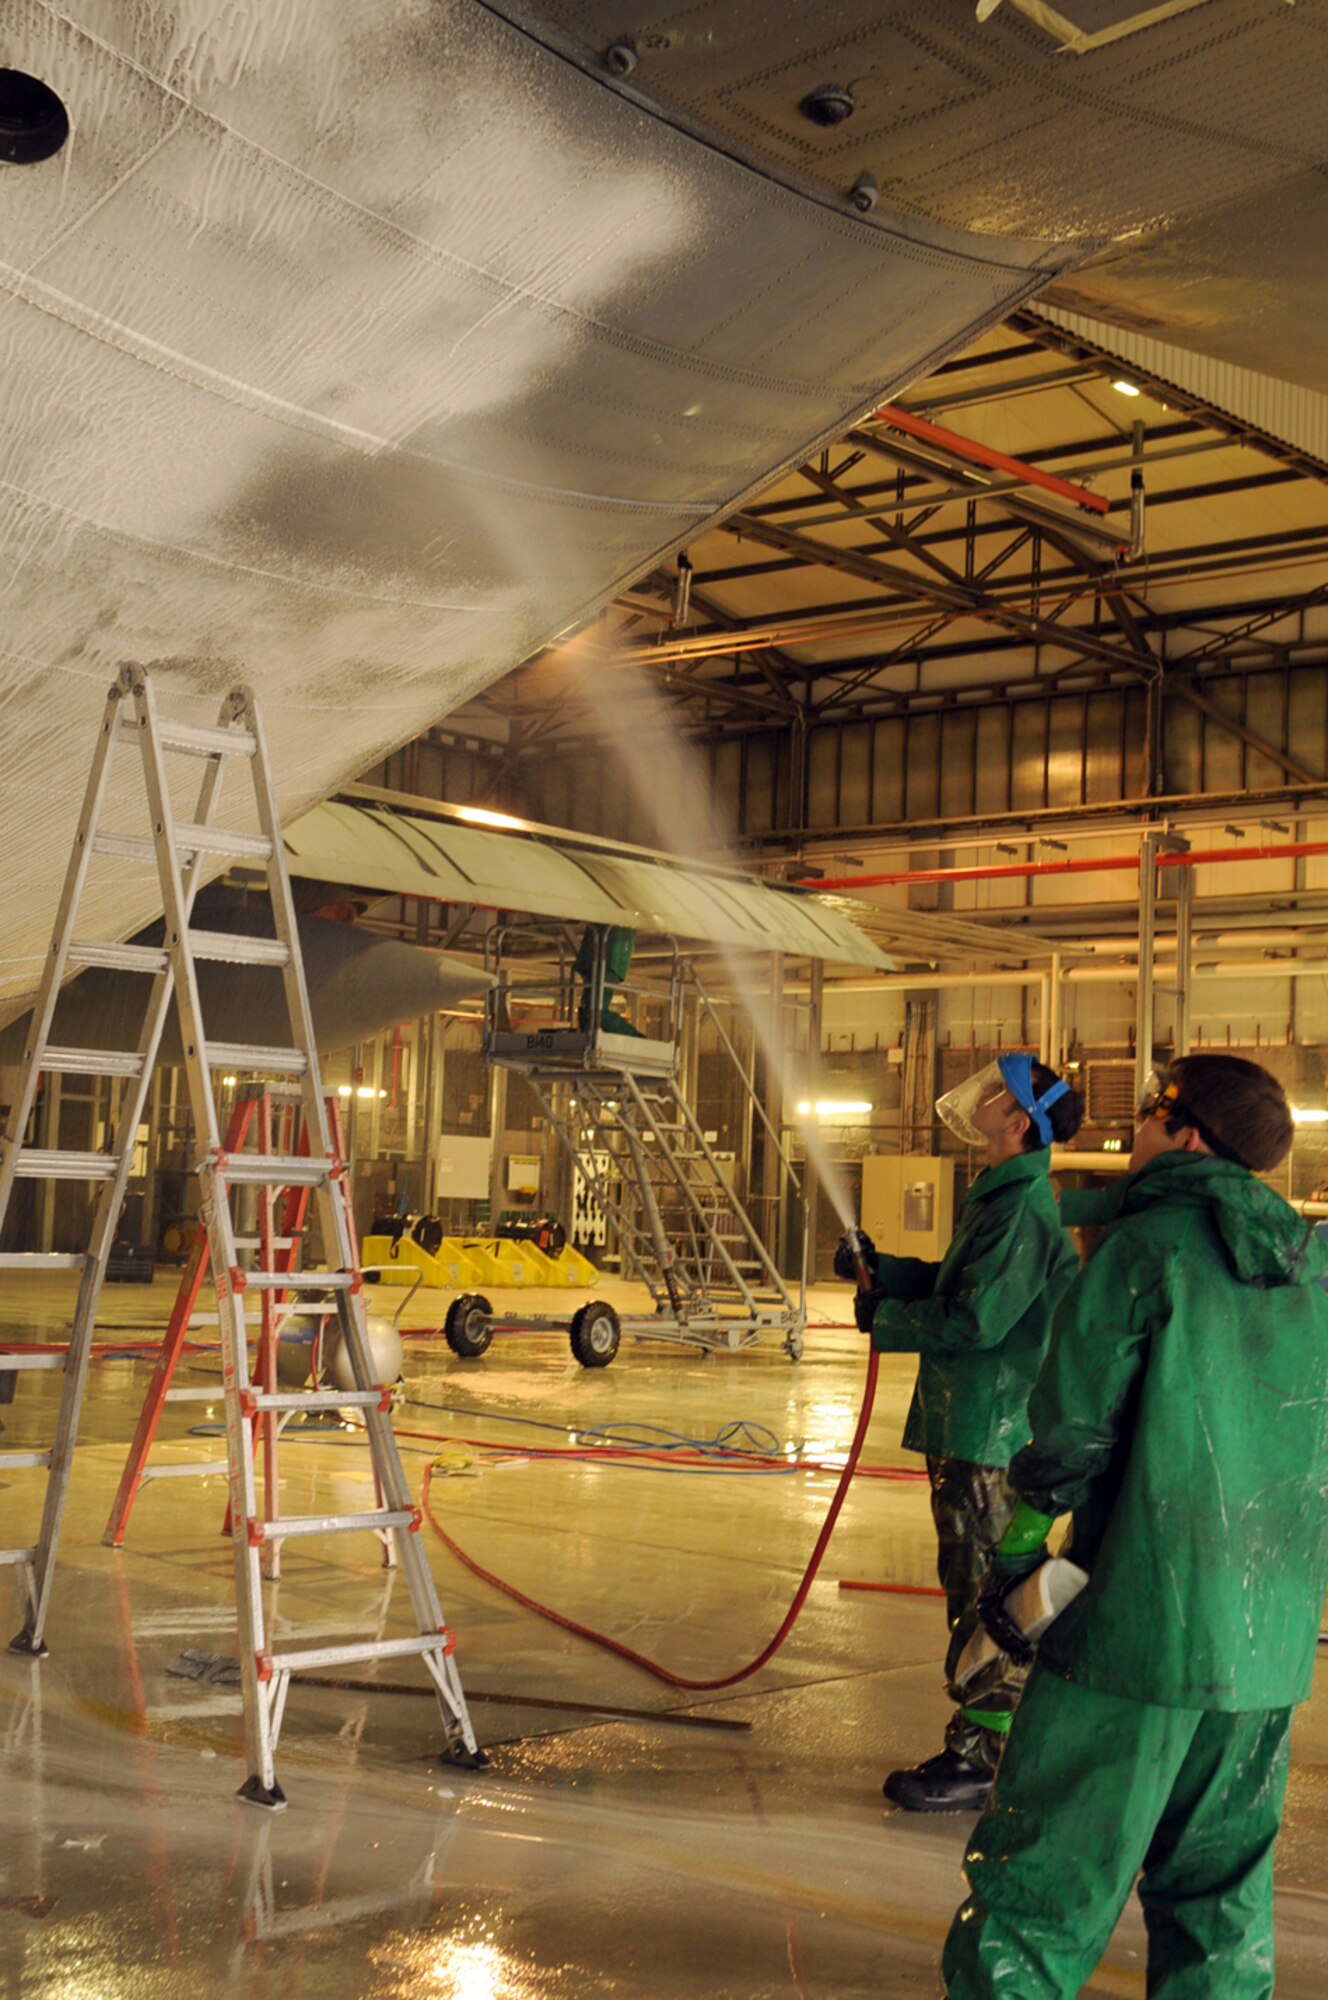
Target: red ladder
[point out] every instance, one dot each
(277, 1252)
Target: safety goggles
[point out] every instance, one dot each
(1164, 1104)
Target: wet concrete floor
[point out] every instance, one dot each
(646, 1856)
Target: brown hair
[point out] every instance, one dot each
(1237, 1107)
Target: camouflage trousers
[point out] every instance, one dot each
(971, 1506)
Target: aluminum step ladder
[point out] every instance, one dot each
(181, 851)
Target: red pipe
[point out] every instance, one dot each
(893, 1589)
(997, 461)
(1094, 865)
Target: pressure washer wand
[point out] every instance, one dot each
(864, 1276)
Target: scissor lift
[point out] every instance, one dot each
(602, 1058)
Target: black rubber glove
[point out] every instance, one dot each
(864, 1307)
(847, 1250)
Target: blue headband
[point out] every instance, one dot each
(1017, 1073)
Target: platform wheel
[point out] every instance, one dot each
(468, 1328)
(595, 1334)
(793, 1346)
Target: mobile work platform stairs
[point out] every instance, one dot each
(609, 1086)
(180, 850)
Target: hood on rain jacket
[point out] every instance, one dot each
(1182, 1418)
(980, 1320)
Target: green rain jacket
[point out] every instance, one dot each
(980, 1320)
(1182, 1417)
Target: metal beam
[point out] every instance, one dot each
(1291, 765)
(962, 599)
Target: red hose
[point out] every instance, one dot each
(639, 1659)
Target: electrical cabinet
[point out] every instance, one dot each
(908, 1203)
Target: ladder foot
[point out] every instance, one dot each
(464, 1759)
(253, 1792)
(28, 1645)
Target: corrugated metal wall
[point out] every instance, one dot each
(1284, 410)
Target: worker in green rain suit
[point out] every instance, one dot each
(980, 1321)
(616, 942)
(1182, 1419)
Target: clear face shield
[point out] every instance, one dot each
(959, 1108)
(972, 1110)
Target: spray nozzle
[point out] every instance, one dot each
(859, 1245)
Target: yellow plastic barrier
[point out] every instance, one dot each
(450, 1267)
(469, 1264)
(573, 1269)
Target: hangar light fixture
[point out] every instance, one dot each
(833, 1107)
(1126, 389)
(481, 816)
(1304, 1116)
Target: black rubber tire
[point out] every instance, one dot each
(595, 1334)
(468, 1328)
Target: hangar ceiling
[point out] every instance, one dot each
(891, 577)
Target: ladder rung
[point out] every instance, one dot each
(194, 1395)
(195, 839)
(41, 1260)
(93, 1062)
(275, 1169)
(28, 1556)
(193, 1468)
(372, 1522)
(118, 957)
(255, 1243)
(238, 950)
(196, 741)
(124, 846)
(299, 1281)
(16, 1459)
(17, 1358)
(353, 1655)
(315, 1399)
(189, 839)
(243, 1055)
(36, 1163)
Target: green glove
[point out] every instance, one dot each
(1023, 1546)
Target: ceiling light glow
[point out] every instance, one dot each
(481, 816)
(1126, 389)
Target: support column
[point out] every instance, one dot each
(497, 1127)
(811, 1177)
(772, 1099)
(1184, 957)
(1143, 1003)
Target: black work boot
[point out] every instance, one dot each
(946, 1783)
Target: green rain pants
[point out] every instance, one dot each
(971, 1507)
(1094, 1788)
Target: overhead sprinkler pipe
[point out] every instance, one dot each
(1136, 545)
(682, 593)
(1094, 865)
(995, 461)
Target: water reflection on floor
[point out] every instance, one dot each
(637, 1856)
